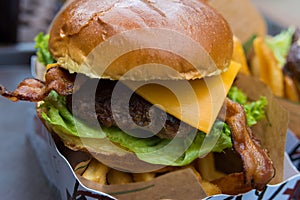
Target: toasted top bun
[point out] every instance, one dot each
(108, 38)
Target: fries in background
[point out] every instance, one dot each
(291, 92)
(238, 55)
(254, 63)
(269, 70)
(267, 66)
(264, 65)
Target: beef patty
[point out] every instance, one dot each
(143, 118)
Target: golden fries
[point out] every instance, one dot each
(142, 177)
(207, 168)
(118, 177)
(238, 55)
(254, 63)
(96, 172)
(291, 92)
(265, 66)
(269, 70)
(100, 173)
(210, 188)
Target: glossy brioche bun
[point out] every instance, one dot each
(83, 25)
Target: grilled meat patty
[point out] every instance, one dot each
(137, 116)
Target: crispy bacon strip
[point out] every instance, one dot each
(34, 90)
(258, 167)
(60, 80)
(27, 90)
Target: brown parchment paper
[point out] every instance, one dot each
(294, 114)
(181, 184)
(244, 19)
(272, 130)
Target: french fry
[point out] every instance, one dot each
(239, 55)
(232, 184)
(210, 188)
(206, 167)
(254, 63)
(269, 70)
(291, 92)
(118, 177)
(100, 173)
(96, 172)
(197, 174)
(141, 177)
(81, 167)
(276, 79)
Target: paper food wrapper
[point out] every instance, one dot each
(243, 17)
(272, 130)
(58, 164)
(294, 114)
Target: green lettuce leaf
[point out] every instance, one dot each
(62, 120)
(237, 95)
(41, 44)
(176, 152)
(255, 110)
(280, 44)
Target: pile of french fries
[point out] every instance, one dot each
(265, 66)
(97, 172)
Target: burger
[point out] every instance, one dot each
(143, 84)
(292, 67)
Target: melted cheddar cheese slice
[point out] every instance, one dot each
(195, 102)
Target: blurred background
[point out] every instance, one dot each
(21, 20)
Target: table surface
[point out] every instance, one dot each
(21, 176)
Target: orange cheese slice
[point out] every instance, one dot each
(195, 102)
(52, 65)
